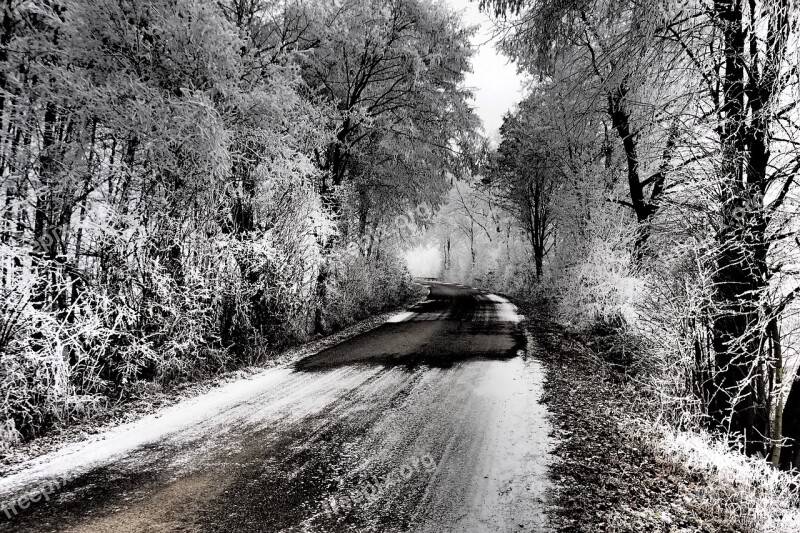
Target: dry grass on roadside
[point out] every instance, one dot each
(616, 470)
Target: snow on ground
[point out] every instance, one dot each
(401, 317)
(190, 418)
(259, 399)
(506, 311)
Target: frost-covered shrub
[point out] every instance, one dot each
(357, 286)
(599, 288)
(756, 496)
(674, 318)
(34, 375)
(178, 322)
(59, 363)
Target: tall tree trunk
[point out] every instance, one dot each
(790, 422)
(644, 210)
(741, 271)
(777, 357)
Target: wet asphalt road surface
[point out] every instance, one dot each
(429, 423)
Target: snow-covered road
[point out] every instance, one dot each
(430, 422)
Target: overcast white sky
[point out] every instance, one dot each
(495, 81)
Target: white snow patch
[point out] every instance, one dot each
(401, 317)
(506, 311)
(273, 396)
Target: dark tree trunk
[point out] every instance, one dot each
(644, 210)
(5, 38)
(741, 273)
(790, 454)
(620, 119)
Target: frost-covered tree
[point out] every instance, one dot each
(394, 72)
(163, 168)
(700, 100)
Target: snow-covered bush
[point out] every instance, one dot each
(358, 286)
(57, 364)
(757, 496)
(674, 318)
(599, 288)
